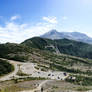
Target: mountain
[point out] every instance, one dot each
(42, 52)
(53, 34)
(64, 46)
(21, 52)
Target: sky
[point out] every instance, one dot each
(23, 19)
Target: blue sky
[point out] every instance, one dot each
(22, 19)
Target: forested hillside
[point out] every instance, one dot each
(64, 46)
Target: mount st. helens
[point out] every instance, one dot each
(54, 34)
(41, 57)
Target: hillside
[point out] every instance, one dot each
(45, 59)
(13, 51)
(64, 46)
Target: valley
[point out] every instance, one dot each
(40, 63)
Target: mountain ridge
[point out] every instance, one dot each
(54, 34)
(65, 46)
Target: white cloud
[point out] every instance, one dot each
(15, 32)
(14, 18)
(52, 20)
(87, 1)
(64, 18)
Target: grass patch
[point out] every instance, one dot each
(20, 73)
(82, 89)
(81, 80)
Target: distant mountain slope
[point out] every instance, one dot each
(65, 46)
(53, 34)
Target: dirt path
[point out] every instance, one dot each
(29, 68)
(10, 75)
(39, 87)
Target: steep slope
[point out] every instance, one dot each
(65, 46)
(53, 34)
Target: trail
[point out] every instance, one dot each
(17, 65)
(39, 87)
(10, 75)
